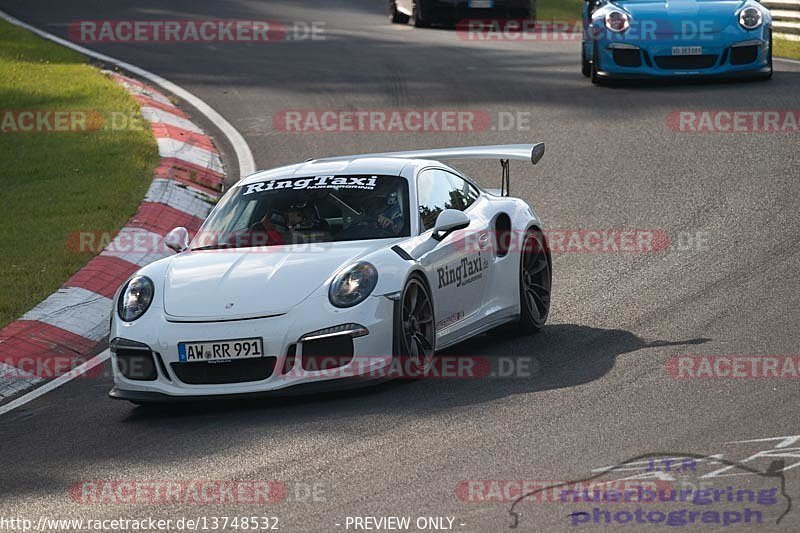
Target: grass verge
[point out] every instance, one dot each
(53, 184)
(559, 10)
(786, 48)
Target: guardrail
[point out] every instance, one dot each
(785, 18)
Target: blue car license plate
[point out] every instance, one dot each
(687, 50)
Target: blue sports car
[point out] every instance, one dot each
(635, 39)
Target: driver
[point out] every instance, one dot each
(390, 214)
(302, 217)
(276, 228)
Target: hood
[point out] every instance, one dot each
(246, 283)
(688, 17)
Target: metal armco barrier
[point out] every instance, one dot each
(786, 18)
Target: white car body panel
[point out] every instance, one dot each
(200, 285)
(282, 295)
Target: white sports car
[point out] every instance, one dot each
(327, 273)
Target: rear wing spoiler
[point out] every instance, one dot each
(503, 152)
(522, 152)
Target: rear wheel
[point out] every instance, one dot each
(535, 283)
(417, 330)
(418, 17)
(395, 15)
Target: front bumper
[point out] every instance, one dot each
(282, 337)
(301, 389)
(726, 56)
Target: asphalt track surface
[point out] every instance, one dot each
(600, 394)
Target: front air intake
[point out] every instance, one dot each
(223, 372)
(742, 55)
(134, 360)
(686, 62)
(627, 58)
(327, 353)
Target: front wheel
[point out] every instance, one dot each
(586, 64)
(144, 404)
(395, 15)
(416, 328)
(595, 68)
(535, 285)
(769, 76)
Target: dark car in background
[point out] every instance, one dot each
(424, 13)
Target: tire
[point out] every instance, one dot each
(535, 283)
(144, 404)
(771, 70)
(395, 15)
(595, 67)
(415, 328)
(586, 64)
(417, 18)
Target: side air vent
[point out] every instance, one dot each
(502, 235)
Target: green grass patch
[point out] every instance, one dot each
(559, 9)
(56, 183)
(786, 48)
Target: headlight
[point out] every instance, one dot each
(617, 21)
(352, 286)
(750, 18)
(135, 298)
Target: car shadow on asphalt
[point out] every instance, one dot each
(559, 357)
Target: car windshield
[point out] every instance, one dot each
(308, 210)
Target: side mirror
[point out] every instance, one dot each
(449, 221)
(177, 239)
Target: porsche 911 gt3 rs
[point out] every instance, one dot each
(320, 274)
(635, 39)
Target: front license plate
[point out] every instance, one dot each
(191, 352)
(481, 4)
(687, 50)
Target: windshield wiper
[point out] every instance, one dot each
(344, 204)
(212, 247)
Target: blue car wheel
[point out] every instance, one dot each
(595, 65)
(769, 76)
(586, 63)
